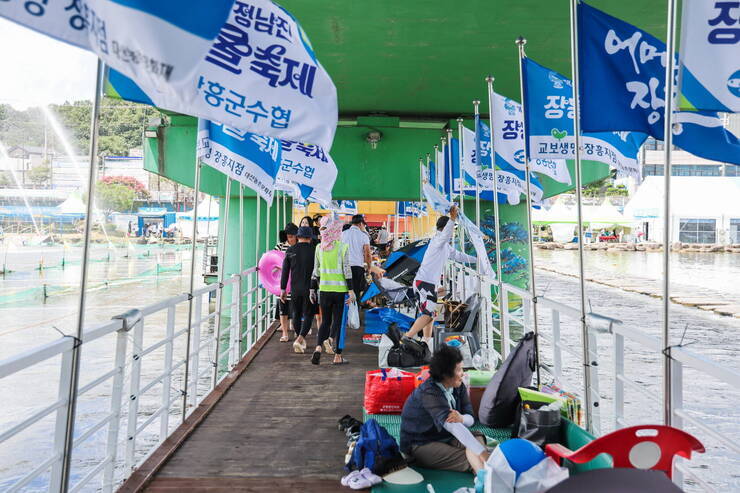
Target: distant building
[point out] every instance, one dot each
(22, 159)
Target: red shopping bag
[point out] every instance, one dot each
(386, 391)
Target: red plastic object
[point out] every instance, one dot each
(386, 391)
(637, 447)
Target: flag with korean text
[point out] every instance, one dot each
(549, 124)
(511, 181)
(158, 44)
(259, 75)
(508, 141)
(310, 168)
(452, 167)
(710, 55)
(628, 64)
(250, 159)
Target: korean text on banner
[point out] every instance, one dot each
(156, 43)
(511, 181)
(628, 63)
(508, 141)
(260, 75)
(310, 168)
(250, 159)
(710, 55)
(549, 124)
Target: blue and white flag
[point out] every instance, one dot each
(157, 43)
(549, 124)
(508, 141)
(344, 206)
(710, 55)
(433, 174)
(471, 164)
(310, 169)
(440, 160)
(260, 75)
(452, 167)
(628, 64)
(250, 159)
(511, 181)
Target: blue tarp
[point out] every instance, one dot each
(377, 320)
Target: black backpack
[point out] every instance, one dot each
(500, 400)
(406, 352)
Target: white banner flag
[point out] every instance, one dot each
(508, 141)
(259, 75)
(310, 168)
(710, 55)
(471, 163)
(155, 43)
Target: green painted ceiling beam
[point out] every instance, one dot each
(430, 57)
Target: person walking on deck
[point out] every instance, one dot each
(429, 275)
(298, 266)
(332, 276)
(282, 310)
(358, 241)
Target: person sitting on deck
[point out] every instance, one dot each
(436, 417)
(332, 276)
(298, 267)
(429, 274)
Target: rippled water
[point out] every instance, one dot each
(711, 336)
(29, 322)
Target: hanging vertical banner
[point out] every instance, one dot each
(440, 160)
(549, 124)
(260, 75)
(710, 55)
(155, 43)
(471, 163)
(508, 141)
(250, 159)
(432, 174)
(511, 181)
(308, 167)
(628, 64)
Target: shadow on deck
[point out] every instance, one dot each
(275, 428)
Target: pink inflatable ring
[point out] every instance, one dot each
(270, 270)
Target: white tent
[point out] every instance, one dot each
(711, 198)
(558, 213)
(73, 205)
(604, 216)
(208, 215)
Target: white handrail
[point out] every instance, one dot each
(134, 357)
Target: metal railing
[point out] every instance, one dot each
(500, 340)
(142, 411)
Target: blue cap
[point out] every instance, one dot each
(304, 232)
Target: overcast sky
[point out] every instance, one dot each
(36, 69)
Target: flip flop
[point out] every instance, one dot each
(316, 357)
(343, 362)
(298, 348)
(285, 339)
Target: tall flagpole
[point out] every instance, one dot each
(425, 221)
(436, 168)
(74, 375)
(497, 220)
(668, 144)
(577, 154)
(520, 43)
(479, 164)
(221, 273)
(461, 174)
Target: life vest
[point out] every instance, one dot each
(331, 273)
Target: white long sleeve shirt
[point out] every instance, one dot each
(438, 252)
(463, 435)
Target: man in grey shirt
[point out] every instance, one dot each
(357, 239)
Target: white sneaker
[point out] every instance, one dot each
(349, 477)
(373, 478)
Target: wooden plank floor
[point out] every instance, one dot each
(275, 429)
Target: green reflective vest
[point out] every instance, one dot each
(330, 271)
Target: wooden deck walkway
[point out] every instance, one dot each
(275, 428)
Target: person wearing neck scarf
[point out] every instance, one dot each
(332, 276)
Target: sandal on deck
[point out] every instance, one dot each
(285, 339)
(327, 346)
(298, 347)
(316, 357)
(343, 362)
